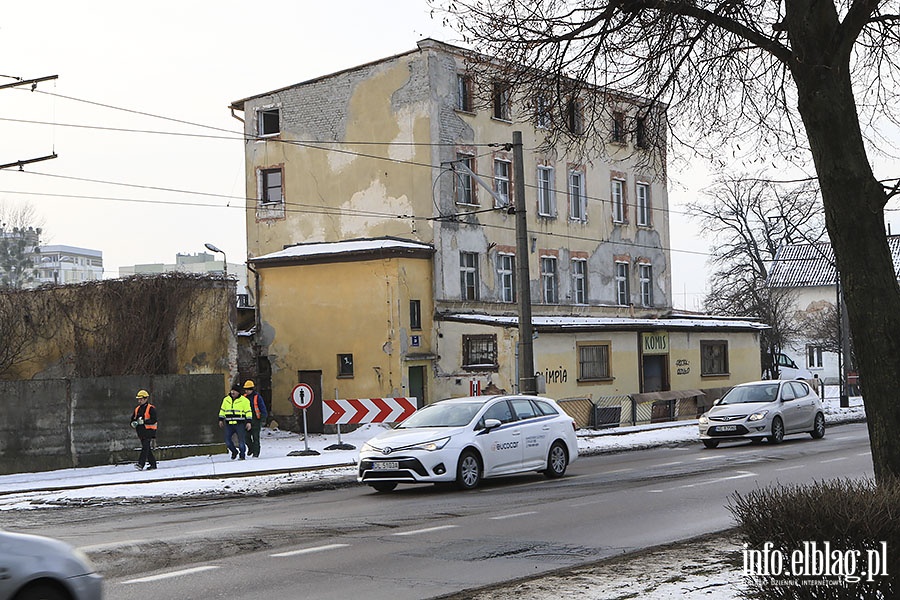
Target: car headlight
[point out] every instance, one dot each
(431, 446)
(757, 416)
(703, 420)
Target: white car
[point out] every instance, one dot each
(763, 410)
(39, 568)
(463, 440)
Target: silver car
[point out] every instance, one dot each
(763, 410)
(39, 568)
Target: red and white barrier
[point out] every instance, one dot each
(367, 410)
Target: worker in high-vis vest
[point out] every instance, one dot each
(257, 418)
(143, 421)
(234, 418)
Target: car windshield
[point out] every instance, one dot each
(442, 415)
(751, 393)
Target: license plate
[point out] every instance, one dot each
(726, 428)
(385, 465)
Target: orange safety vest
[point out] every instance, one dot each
(255, 405)
(146, 415)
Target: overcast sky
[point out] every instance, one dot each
(187, 61)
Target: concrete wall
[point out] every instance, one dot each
(63, 423)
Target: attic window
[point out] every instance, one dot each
(268, 122)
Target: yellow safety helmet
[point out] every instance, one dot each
(248, 385)
(142, 394)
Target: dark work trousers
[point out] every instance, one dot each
(239, 428)
(253, 436)
(146, 452)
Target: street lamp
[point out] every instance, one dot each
(212, 248)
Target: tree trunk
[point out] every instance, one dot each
(854, 215)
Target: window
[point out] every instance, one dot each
(593, 362)
(617, 192)
(502, 170)
(464, 92)
(523, 408)
(640, 132)
(345, 365)
(500, 411)
(465, 184)
(579, 280)
(468, 275)
(574, 117)
(267, 122)
(543, 114)
(577, 200)
(549, 283)
(814, 357)
(646, 277)
(546, 202)
(502, 95)
(271, 186)
(617, 134)
(714, 357)
(643, 204)
(622, 292)
(479, 352)
(506, 270)
(415, 314)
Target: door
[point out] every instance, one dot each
(314, 413)
(791, 408)
(535, 433)
(654, 373)
(417, 385)
(502, 448)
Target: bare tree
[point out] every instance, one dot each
(804, 78)
(20, 234)
(747, 218)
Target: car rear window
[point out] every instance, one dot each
(546, 408)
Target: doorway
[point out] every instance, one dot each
(654, 373)
(417, 385)
(314, 413)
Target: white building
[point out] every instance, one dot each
(60, 264)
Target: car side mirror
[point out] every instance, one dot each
(492, 424)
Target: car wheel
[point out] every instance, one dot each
(468, 471)
(41, 592)
(557, 460)
(818, 431)
(711, 444)
(384, 486)
(777, 431)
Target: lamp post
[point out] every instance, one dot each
(213, 248)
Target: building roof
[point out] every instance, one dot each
(812, 265)
(569, 323)
(348, 250)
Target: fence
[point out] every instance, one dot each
(637, 409)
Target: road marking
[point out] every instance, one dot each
(742, 475)
(162, 576)
(309, 550)
(513, 516)
(580, 504)
(426, 530)
(617, 471)
(869, 453)
(671, 464)
(713, 457)
(831, 460)
(791, 468)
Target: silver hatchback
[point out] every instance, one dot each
(39, 568)
(762, 410)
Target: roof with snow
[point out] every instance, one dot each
(348, 250)
(812, 265)
(570, 323)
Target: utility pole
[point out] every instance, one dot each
(33, 83)
(527, 381)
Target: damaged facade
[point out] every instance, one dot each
(386, 268)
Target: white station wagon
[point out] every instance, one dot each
(464, 440)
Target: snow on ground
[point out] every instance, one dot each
(219, 475)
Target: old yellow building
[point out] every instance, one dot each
(415, 149)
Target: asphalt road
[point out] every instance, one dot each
(423, 542)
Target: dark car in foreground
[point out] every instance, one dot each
(40, 568)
